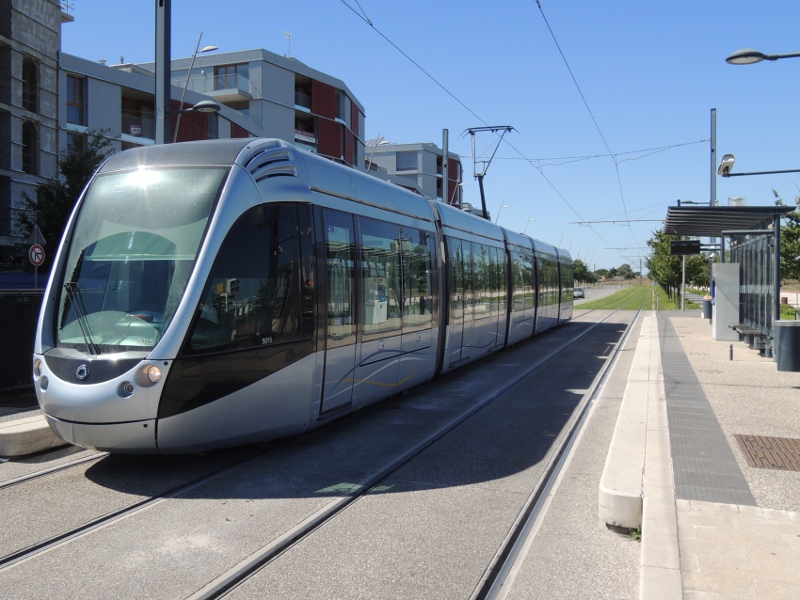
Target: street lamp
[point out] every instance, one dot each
(748, 56)
(502, 206)
(197, 51)
(526, 224)
(726, 166)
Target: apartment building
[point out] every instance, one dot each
(281, 96)
(121, 102)
(30, 38)
(420, 167)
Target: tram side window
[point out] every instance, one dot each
(469, 281)
(380, 272)
(252, 296)
(519, 280)
(417, 296)
(550, 284)
(498, 286)
(340, 273)
(482, 275)
(527, 269)
(567, 281)
(457, 295)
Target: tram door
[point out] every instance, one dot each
(340, 328)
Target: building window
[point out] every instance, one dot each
(342, 107)
(138, 117)
(30, 84)
(76, 100)
(30, 148)
(406, 161)
(227, 76)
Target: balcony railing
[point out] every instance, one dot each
(225, 87)
(302, 99)
(139, 126)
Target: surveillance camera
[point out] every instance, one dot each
(726, 165)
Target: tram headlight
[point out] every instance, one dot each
(37, 367)
(152, 373)
(43, 383)
(126, 389)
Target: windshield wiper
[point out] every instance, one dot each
(76, 300)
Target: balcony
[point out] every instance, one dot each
(138, 128)
(302, 100)
(307, 137)
(226, 89)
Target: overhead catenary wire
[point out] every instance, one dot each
(361, 14)
(589, 110)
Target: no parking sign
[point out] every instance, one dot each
(36, 255)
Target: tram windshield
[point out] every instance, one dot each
(130, 256)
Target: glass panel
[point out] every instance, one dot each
(519, 282)
(482, 278)
(131, 255)
(416, 247)
(380, 271)
(340, 258)
(527, 269)
(252, 296)
(499, 281)
(457, 297)
(469, 282)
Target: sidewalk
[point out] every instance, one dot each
(714, 525)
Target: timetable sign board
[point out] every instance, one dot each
(683, 247)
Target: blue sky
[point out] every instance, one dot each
(649, 72)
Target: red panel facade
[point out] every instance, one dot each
(454, 175)
(323, 99)
(330, 139)
(193, 126)
(237, 131)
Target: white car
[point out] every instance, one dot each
(578, 293)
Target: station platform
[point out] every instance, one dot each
(25, 431)
(705, 461)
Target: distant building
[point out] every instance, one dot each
(420, 166)
(280, 96)
(121, 103)
(30, 39)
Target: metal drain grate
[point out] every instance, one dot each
(770, 452)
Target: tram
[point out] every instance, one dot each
(217, 293)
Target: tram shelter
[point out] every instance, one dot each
(751, 280)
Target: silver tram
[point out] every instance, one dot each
(216, 293)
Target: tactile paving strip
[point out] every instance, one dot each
(703, 462)
(767, 452)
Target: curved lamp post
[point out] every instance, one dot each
(526, 224)
(197, 51)
(748, 56)
(502, 206)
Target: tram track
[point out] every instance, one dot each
(51, 470)
(242, 571)
(492, 583)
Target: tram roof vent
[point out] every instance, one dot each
(272, 161)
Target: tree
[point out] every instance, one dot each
(625, 271)
(790, 241)
(582, 274)
(666, 269)
(55, 200)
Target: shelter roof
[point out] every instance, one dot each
(712, 221)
